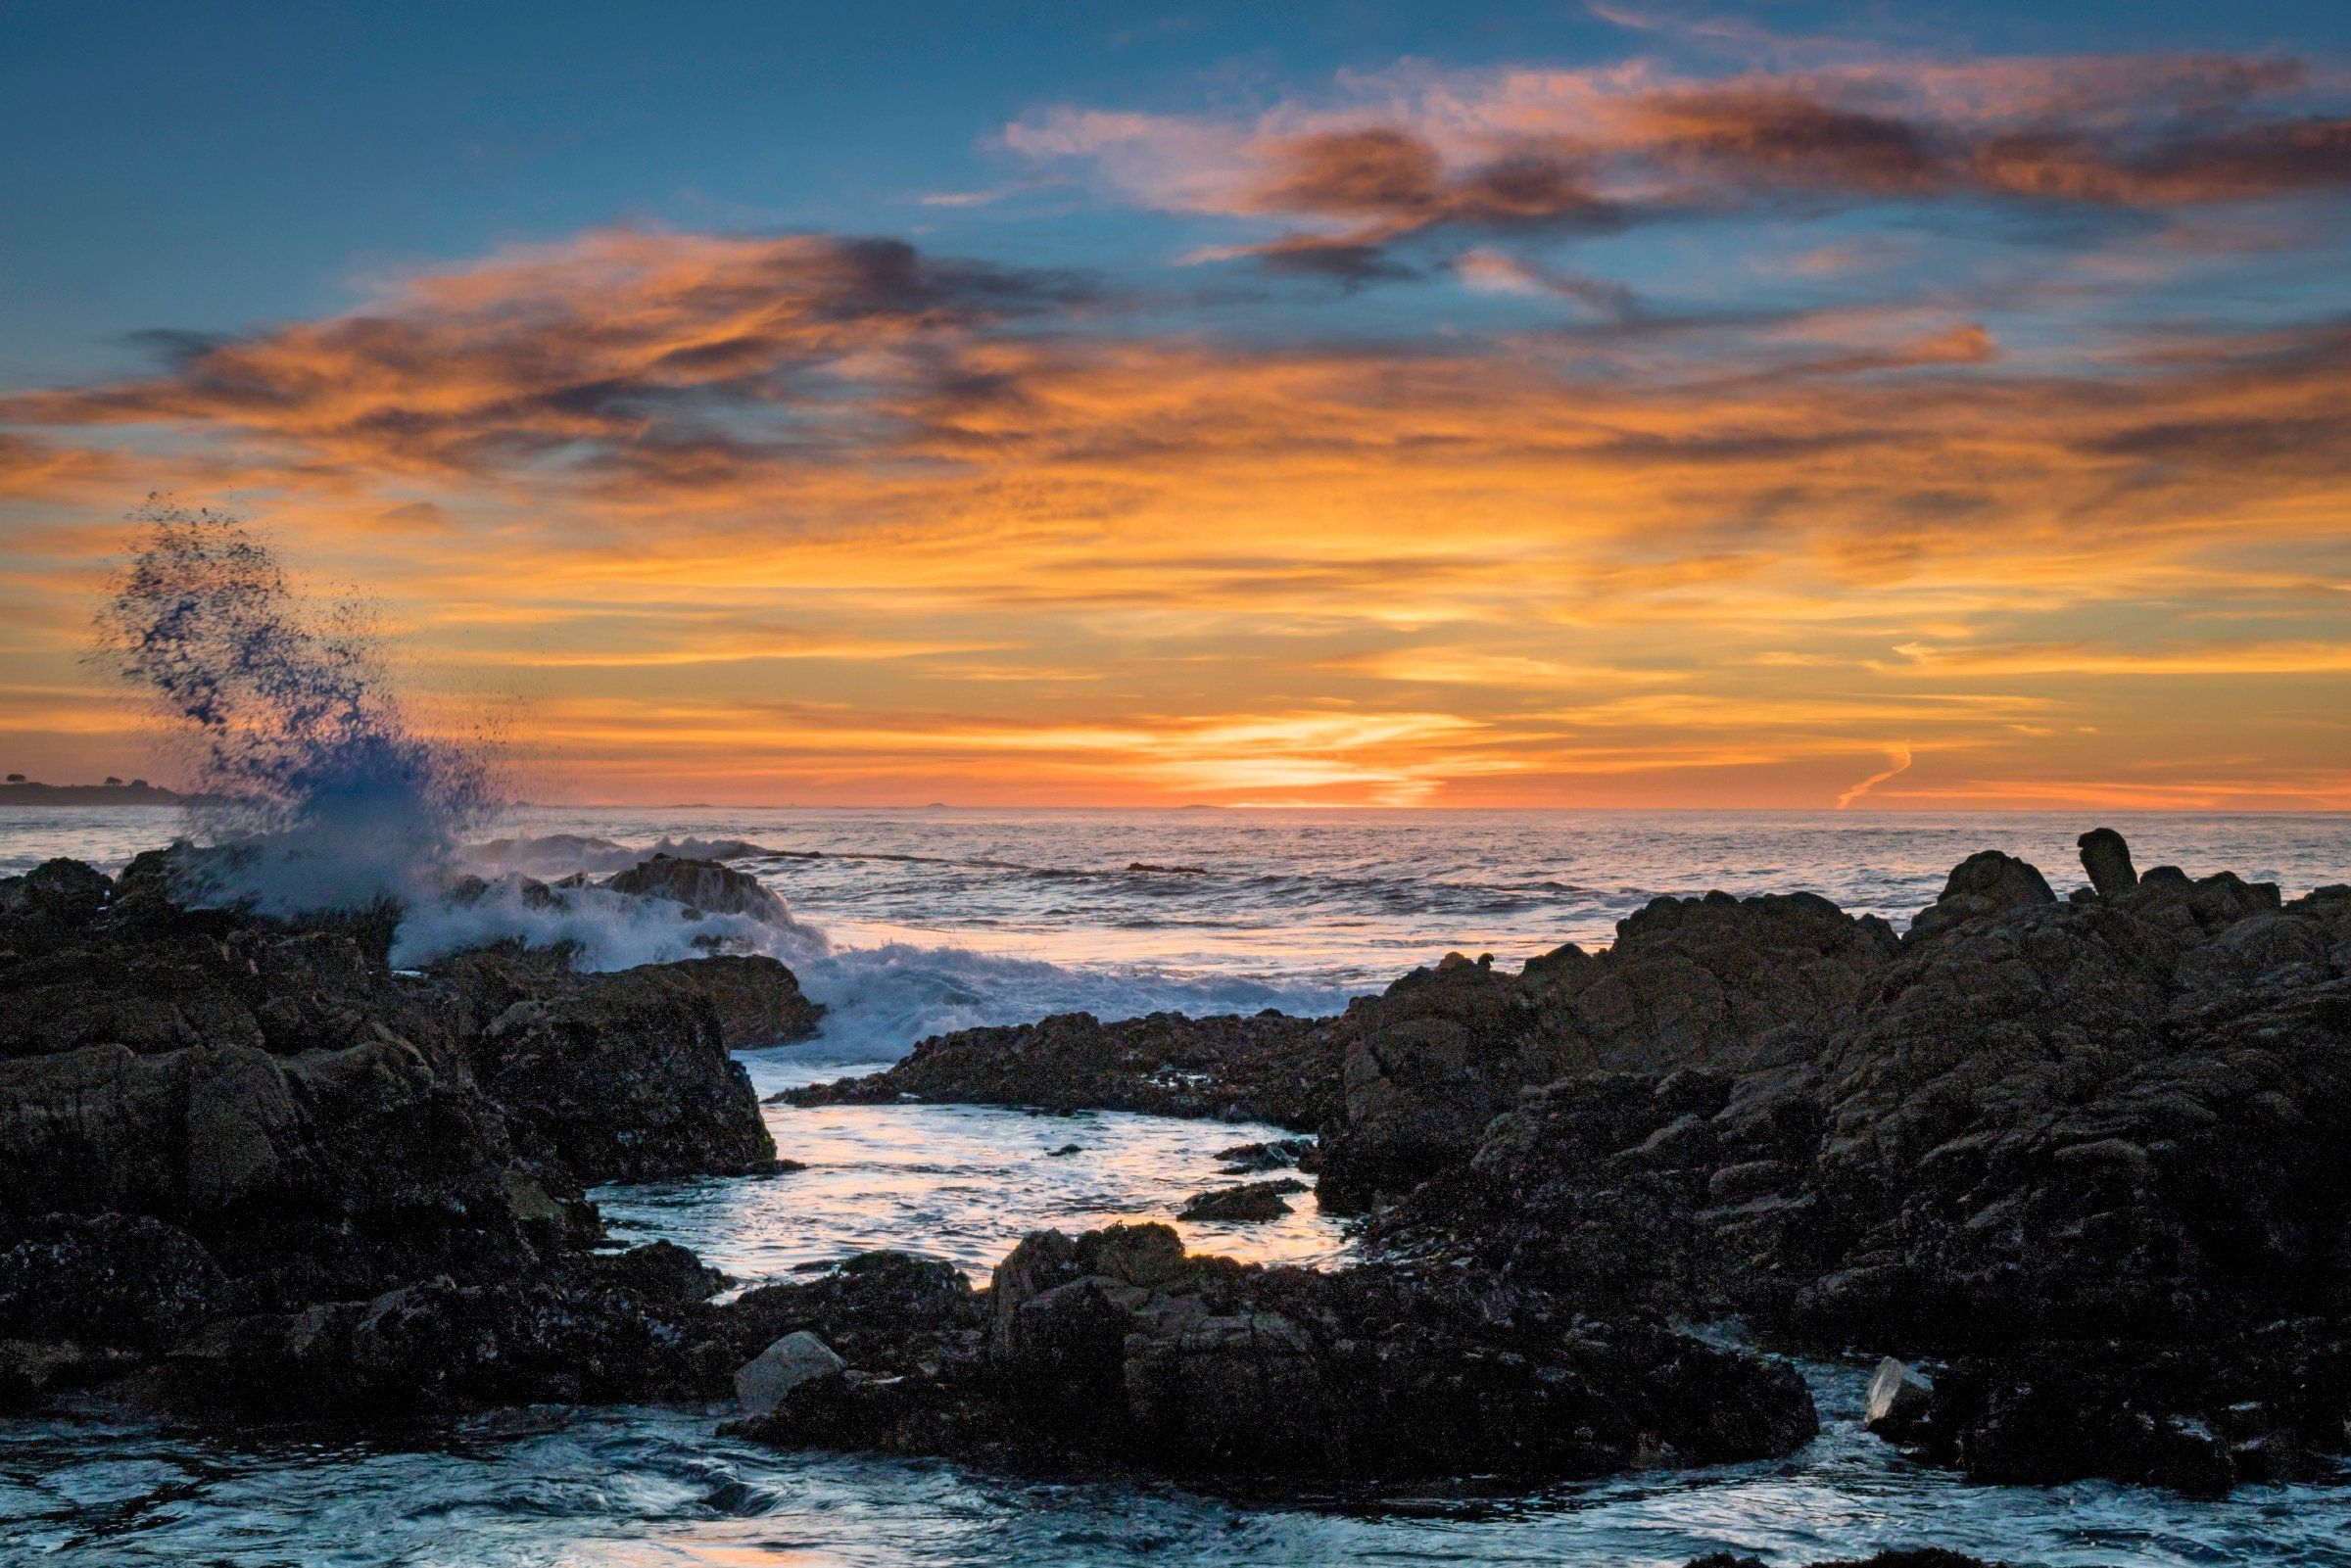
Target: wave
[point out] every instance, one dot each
(563, 854)
(883, 1000)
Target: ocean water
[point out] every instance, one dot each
(941, 919)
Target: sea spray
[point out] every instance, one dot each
(317, 793)
(312, 778)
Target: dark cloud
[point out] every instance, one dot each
(630, 352)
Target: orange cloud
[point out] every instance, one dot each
(822, 519)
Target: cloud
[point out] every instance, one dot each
(1416, 158)
(1897, 760)
(664, 357)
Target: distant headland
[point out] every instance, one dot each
(19, 790)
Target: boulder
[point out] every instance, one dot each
(2107, 859)
(1898, 1399)
(702, 885)
(616, 1077)
(762, 1382)
(1247, 1203)
(1983, 885)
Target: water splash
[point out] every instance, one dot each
(310, 774)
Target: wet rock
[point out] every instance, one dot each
(1266, 1067)
(222, 1128)
(1279, 1154)
(61, 892)
(1249, 1203)
(1118, 1346)
(617, 1078)
(1898, 1399)
(702, 885)
(762, 1382)
(2107, 859)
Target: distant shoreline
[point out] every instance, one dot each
(129, 794)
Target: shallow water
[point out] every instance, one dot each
(1007, 915)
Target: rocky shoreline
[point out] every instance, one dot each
(2078, 1163)
(2081, 1159)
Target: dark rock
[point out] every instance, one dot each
(1269, 1068)
(1712, 981)
(1981, 885)
(2107, 859)
(1249, 1203)
(616, 1078)
(63, 893)
(702, 885)
(107, 1279)
(1279, 1154)
(762, 1382)
(1116, 1346)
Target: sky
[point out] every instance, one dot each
(1768, 405)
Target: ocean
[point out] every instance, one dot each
(940, 918)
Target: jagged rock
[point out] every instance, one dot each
(702, 885)
(209, 1117)
(1115, 1346)
(1712, 981)
(613, 1077)
(1983, 885)
(1249, 1203)
(62, 892)
(2107, 859)
(106, 1280)
(1266, 1068)
(762, 1382)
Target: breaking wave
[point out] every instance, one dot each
(315, 793)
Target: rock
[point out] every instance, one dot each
(614, 1077)
(309, 1184)
(1268, 1068)
(1983, 885)
(762, 1383)
(1118, 1348)
(1279, 1154)
(2107, 859)
(64, 892)
(1249, 1203)
(702, 885)
(107, 1279)
(1712, 981)
(1898, 1401)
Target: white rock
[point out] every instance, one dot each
(761, 1382)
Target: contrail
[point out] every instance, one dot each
(1898, 755)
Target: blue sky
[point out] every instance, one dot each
(210, 167)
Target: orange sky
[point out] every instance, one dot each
(708, 514)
